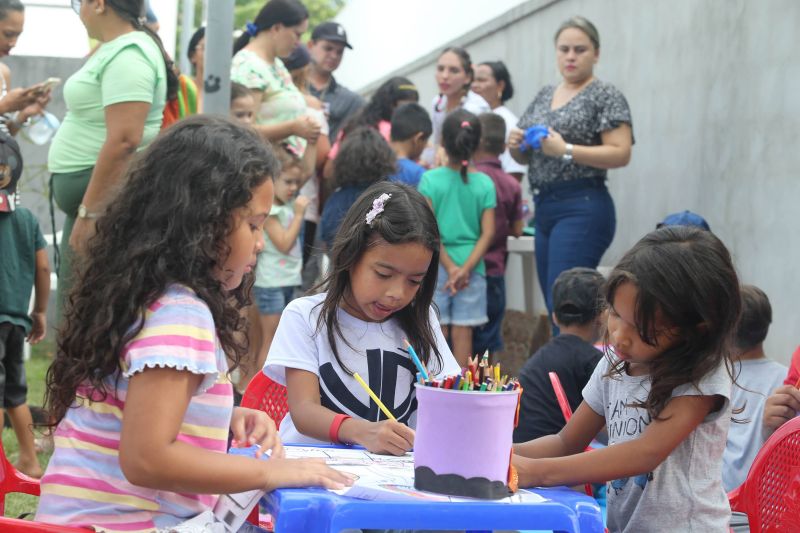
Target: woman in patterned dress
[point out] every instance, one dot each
(282, 115)
(590, 131)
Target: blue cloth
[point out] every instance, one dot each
(408, 172)
(575, 223)
(336, 208)
(488, 336)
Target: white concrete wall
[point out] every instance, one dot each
(713, 86)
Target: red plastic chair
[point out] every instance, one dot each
(12, 480)
(566, 410)
(770, 495)
(26, 526)
(265, 395)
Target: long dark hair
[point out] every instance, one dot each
(685, 274)
(383, 103)
(461, 136)
(406, 218)
(168, 225)
(284, 12)
(500, 73)
(132, 11)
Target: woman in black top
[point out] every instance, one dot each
(590, 131)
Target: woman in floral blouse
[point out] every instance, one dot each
(589, 131)
(256, 64)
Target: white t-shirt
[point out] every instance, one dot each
(756, 379)
(472, 102)
(310, 189)
(509, 165)
(684, 492)
(377, 358)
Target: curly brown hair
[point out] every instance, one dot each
(168, 225)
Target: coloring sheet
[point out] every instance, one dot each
(385, 477)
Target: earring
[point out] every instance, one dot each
(499, 95)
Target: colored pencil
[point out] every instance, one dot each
(374, 397)
(416, 360)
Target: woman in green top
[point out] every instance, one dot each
(282, 114)
(115, 104)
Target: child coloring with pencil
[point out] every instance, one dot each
(377, 294)
(464, 204)
(663, 390)
(139, 387)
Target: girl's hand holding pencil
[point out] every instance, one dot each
(388, 437)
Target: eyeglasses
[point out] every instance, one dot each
(76, 6)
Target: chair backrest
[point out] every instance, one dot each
(561, 396)
(12, 480)
(770, 495)
(266, 395)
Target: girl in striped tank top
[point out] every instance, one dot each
(139, 390)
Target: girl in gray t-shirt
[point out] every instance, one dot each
(662, 391)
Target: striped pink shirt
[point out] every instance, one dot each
(84, 484)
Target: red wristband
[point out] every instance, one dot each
(333, 432)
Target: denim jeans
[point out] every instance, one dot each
(575, 224)
(489, 336)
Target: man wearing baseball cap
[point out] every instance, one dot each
(326, 47)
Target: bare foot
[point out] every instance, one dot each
(31, 469)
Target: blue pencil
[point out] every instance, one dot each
(416, 360)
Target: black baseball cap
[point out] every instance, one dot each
(330, 31)
(576, 295)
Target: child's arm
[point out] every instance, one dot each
(284, 238)
(312, 419)
(151, 456)
(41, 287)
(460, 276)
(781, 406)
(679, 418)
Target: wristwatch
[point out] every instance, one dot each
(568, 153)
(85, 213)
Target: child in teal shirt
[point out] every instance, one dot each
(463, 203)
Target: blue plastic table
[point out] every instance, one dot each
(321, 511)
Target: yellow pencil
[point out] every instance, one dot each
(374, 397)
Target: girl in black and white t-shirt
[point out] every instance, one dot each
(378, 293)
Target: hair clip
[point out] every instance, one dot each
(252, 29)
(377, 207)
(464, 162)
(465, 124)
(407, 87)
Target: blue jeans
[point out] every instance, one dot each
(488, 336)
(575, 224)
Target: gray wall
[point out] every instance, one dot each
(713, 86)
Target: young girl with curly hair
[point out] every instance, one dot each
(139, 389)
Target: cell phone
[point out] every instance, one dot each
(48, 84)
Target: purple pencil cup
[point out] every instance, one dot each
(463, 442)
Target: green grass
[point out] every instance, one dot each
(36, 367)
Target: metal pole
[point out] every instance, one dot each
(187, 29)
(219, 48)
